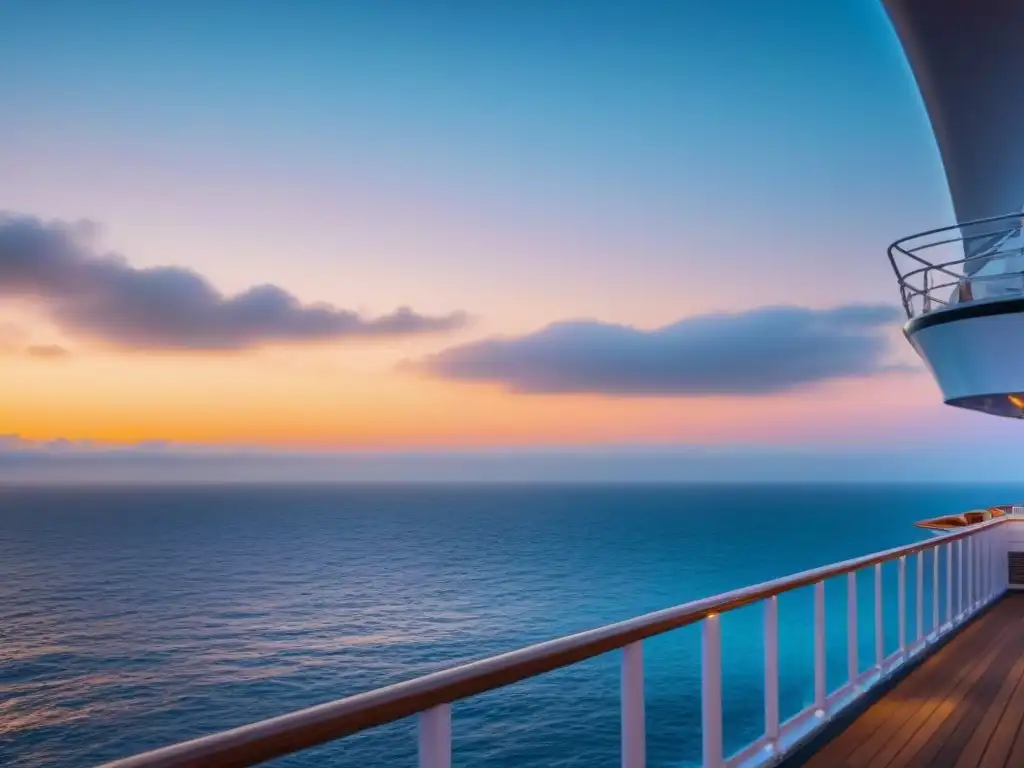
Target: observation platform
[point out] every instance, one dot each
(962, 289)
(962, 706)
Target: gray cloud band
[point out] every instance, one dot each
(763, 351)
(170, 307)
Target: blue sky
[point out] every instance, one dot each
(528, 164)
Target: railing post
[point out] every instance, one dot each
(852, 636)
(1004, 556)
(436, 737)
(969, 541)
(935, 588)
(634, 740)
(993, 556)
(994, 563)
(994, 560)
(989, 557)
(982, 567)
(902, 602)
(820, 683)
(711, 690)
(879, 631)
(1001, 556)
(920, 596)
(771, 668)
(977, 555)
(986, 566)
(960, 602)
(949, 582)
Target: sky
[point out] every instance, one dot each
(416, 229)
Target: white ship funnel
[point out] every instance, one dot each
(963, 285)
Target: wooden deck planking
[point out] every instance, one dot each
(879, 725)
(963, 706)
(1000, 748)
(898, 720)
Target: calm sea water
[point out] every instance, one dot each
(135, 617)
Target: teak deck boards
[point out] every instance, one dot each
(963, 706)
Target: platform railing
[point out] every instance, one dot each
(938, 268)
(980, 552)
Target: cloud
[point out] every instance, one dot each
(46, 351)
(169, 307)
(759, 352)
(14, 341)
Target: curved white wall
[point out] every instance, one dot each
(967, 57)
(976, 360)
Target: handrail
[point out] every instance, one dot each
(921, 269)
(278, 736)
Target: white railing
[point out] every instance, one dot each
(960, 264)
(980, 578)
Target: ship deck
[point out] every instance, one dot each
(962, 706)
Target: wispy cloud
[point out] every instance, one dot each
(47, 351)
(102, 295)
(14, 340)
(759, 352)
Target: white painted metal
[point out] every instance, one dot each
(961, 602)
(920, 596)
(986, 565)
(949, 583)
(935, 588)
(990, 567)
(879, 631)
(975, 553)
(435, 737)
(711, 690)
(980, 565)
(852, 636)
(902, 602)
(970, 571)
(634, 738)
(990, 557)
(1005, 537)
(983, 562)
(771, 668)
(820, 683)
(996, 559)
(968, 356)
(999, 565)
(994, 555)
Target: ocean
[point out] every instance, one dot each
(134, 617)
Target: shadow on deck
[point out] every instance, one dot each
(963, 706)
